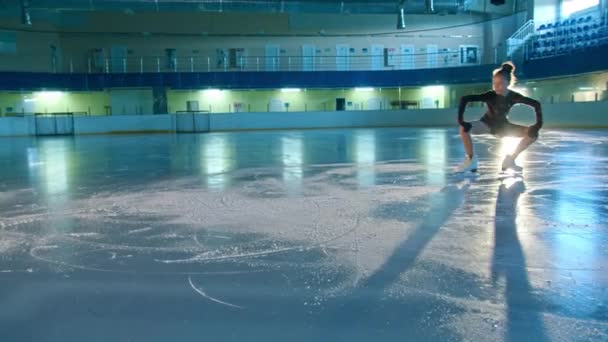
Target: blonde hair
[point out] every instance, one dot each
(507, 71)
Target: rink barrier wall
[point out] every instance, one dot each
(562, 115)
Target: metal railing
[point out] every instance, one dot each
(519, 38)
(445, 58)
(442, 59)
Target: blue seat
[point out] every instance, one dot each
(542, 27)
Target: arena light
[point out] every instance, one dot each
(364, 89)
(49, 96)
(212, 92)
(430, 6)
(401, 16)
(434, 90)
(26, 18)
(291, 90)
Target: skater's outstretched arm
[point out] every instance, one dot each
(463, 105)
(533, 131)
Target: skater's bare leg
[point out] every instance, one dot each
(470, 162)
(525, 142)
(467, 141)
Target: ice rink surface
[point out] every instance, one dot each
(330, 235)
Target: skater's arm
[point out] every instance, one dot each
(470, 98)
(534, 104)
(533, 130)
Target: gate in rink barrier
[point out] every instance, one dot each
(191, 121)
(54, 124)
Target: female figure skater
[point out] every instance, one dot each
(499, 101)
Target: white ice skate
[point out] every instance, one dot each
(508, 164)
(468, 165)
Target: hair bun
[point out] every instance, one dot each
(508, 67)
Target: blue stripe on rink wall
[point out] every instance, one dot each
(562, 115)
(244, 80)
